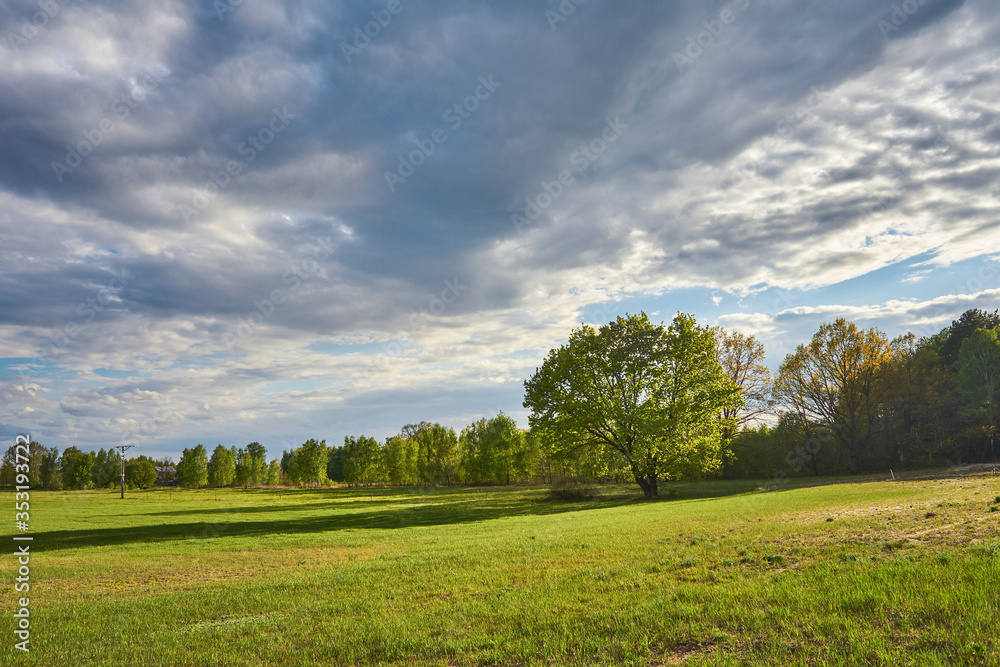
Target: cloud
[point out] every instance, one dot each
(802, 147)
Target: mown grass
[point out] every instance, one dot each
(901, 573)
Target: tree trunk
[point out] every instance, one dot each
(647, 484)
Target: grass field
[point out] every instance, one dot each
(879, 573)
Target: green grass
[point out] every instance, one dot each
(715, 574)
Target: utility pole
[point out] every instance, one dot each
(124, 448)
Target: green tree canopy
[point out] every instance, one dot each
(838, 382)
(362, 460)
(979, 374)
(437, 451)
(221, 467)
(400, 456)
(107, 469)
(949, 341)
(192, 470)
(140, 472)
(651, 393)
(77, 468)
(493, 451)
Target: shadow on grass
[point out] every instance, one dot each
(347, 499)
(232, 525)
(352, 509)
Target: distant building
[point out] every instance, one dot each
(166, 475)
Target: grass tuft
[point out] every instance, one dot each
(988, 549)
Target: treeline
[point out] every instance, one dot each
(853, 401)
(849, 401)
(488, 451)
(75, 469)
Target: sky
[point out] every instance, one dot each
(229, 221)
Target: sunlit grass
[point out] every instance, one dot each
(902, 573)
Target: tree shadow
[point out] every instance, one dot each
(351, 498)
(450, 513)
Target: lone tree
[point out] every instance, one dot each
(653, 394)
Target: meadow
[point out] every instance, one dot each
(888, 572)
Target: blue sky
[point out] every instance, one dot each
(275, 221)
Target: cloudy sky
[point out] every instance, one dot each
(273, 220)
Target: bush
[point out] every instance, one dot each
(571, 488)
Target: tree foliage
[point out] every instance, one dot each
(836, 381)
(140, 472)
(221, 467)
(77, 468)
(978, 369)
(493, 451)
(650, 393)
(192, 470)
